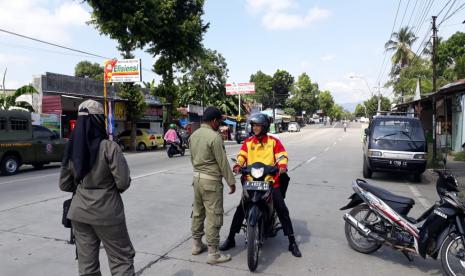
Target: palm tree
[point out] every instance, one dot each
(401, 44)
(9, 101)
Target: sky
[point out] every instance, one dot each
(330, 40)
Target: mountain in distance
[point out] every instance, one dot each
(350, 106)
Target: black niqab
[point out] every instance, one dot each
(84, 143)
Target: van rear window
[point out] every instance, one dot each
(18, 124)
(398, 129)
(2, 124)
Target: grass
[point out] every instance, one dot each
(459, 156)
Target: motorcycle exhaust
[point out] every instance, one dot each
(362, 229)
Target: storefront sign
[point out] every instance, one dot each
(120, 111)
(51, 121)
(126, 70)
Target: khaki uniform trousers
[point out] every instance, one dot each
(115, 239)
(208, 204)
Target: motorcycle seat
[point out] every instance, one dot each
(386, 195)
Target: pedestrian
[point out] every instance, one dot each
(210, 163)
(95, 169)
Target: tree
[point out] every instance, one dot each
(204, 82)
(172, 30)
(325, 102)
(401, 43)
(372, 105)
(336, 112)
(290, 111)
(451, 61)
(303, 95)
(263, 89)
(360, 111)
(281, 85)
(11, 101)
(87, 69)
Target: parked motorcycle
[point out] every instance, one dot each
(174, 149)
(257, 201)
(379, 217)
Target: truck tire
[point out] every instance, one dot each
(10, 165)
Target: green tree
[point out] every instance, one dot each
(290, 111)
(281, 86)
(401, 44)
(325, 102)
(451, 61)
(263, 89)
(204, 82)
(87, 69)
(336, 112)
(372, 105)
(303, 95)
(11, 101)
(360, 111)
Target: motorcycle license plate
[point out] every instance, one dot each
(256, 185)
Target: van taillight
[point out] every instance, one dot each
(152, 137)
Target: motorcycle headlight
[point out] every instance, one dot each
(257, 173)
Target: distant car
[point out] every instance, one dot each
(293, 127)
(395, 143)
(145, 138)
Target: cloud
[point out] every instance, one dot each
(328, 57)
(347, 90)
(278, 15)
(35, 18)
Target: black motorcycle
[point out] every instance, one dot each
(257, 201)
(174, 149)
(379, 217)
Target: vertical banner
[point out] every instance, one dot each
(111, 121)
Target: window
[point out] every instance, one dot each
(398, 129)
(41, 132)
(19, 124)
(139, 132)
(2, 124)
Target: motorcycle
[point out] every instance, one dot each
(174, 149)
(257, 201)
(379, 217)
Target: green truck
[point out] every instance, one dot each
(24, 143)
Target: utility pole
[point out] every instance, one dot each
(435, 35)
(379, 98)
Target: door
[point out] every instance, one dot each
(47, 145)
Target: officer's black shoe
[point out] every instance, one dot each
(227, 244)
(295, 250)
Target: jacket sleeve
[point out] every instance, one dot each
(279, 150)
(67, 179)
(243, 153)
(118, 167)
(220, 157)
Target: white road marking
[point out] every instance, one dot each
(28, 178)
(148, 174)
(310, 160)
(419, 196)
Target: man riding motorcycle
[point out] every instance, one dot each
(266, 149)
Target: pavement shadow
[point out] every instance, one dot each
(274, 248)
(427, 266)
(398, 177)
(183, 272)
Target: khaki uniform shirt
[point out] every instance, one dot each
(208, 154)
(97, 200)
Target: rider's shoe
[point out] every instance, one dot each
(295, 250)
(228, 244)
(198, 247)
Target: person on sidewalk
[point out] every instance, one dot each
(264, 148)
(210, 163)
(95, 169)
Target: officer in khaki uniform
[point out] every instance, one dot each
(95, 169)
(210, 164)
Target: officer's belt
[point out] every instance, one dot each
(206, 176)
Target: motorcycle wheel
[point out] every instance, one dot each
(356, 240)
(453, 255)
(253, 245)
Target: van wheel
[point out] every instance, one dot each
(10, 165)
(367, 172)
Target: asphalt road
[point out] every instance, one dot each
(324, 160)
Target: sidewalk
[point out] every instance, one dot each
(458, 169)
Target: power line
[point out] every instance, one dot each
(406, 8)
(382, 68)
(413, 11)
(450, 8)
(60, 46)
(460, 8)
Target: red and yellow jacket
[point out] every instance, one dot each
(266, 151)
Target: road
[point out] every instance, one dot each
(323, 162)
